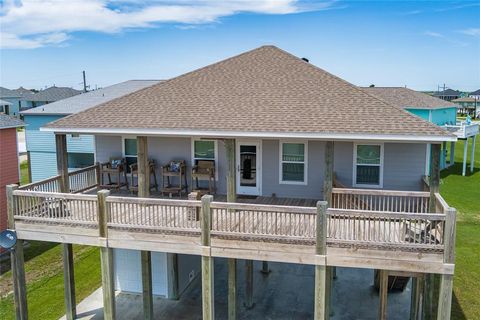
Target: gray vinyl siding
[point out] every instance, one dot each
(107, 146)
(343, 162)
(270, 172)
(404, 165)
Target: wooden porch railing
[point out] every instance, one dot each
(79, 180)
(380, 200)
(386, 226)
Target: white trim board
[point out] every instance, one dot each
(305, 162)
(253, 134)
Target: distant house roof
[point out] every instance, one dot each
(408, 98)
(23, 93)
(7, 93)
(447, 93)
(54, 94)
(265, 92)
(475, 93)
(4, 103)
(7, 121)
(465, 99)
(90, 99)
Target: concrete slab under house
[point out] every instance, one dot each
(243, 161)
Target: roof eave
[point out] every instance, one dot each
(264, 135)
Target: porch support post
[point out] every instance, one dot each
(208, 310)
(67, 248)
(327, 196)
(69, 281)
(417, 298)
(472, 155)
(383, 294)
(172, 267)
(17, 261)
(465, 153)
(249, 284)
(434, 175)
(446, 280)
(62, 162)
(106, 258)
(147, 285)
(143, 168)
(144, 192)
(452, 153)
(230, 149)
(321, 303)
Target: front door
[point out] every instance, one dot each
(249, 172)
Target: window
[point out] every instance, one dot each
(368, 165)
(130, 151)
(205, 150)
(293, 160)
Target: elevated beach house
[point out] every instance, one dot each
(440, 112)
(81, 147)
(245, 159)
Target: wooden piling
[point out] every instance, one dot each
(321, 303)
(146, 264)
(434, 181)
(383, 295)
(69, 281)
(62, 162)
(143, 168)
(327, 196)
(207, 261)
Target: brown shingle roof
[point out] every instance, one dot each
(408, 98)
(263, 90)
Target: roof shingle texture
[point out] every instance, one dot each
(90, 99)
(408, 98)
(7, 121)
(263, 90)
(53, 94)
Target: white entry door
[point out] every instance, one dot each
(249, 167)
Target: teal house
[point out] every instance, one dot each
(440, 112)
(81, 148)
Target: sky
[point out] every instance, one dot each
(418, 44)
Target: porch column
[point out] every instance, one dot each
(231, 197)
(416, 298)
(144, 192)
(106, 258)
(472, 155)
(434, 175)
(452, 153)
(321, 309)
(465, 153)
(17, 262)
(67, 248)
(327, 196)
(446, 280)
(208, 305)
(383, 294)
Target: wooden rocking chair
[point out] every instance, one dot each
(117, 167)
(204, 170)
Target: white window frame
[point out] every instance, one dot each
(380, 180)
(123, 147)
(215, 145)
(305, 163)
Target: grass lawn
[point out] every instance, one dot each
(463, 193)
(44, 273)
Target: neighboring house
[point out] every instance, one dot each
(81, 150)
(268, 121)
(9, 165)
(448, 94)
(440, 112)
(13, 98)
(468, 105)
(25, 98)
(475, 94)
(50, 95)
(5, 106)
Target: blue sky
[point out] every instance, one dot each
(415, 43)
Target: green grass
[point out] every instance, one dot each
(463, 193)
(44, 272)
(24, 177)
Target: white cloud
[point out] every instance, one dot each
(433, 34)
(474, 32)
(36, 23)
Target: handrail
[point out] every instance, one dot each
(381, 192)
(48, 184)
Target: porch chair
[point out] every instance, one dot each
(175, 169)
(134, 175)
(117, 167)
(204, 170)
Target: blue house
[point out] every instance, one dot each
(81, 148)
(10, 102)
(440, 112)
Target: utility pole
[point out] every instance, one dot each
(84, 82)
